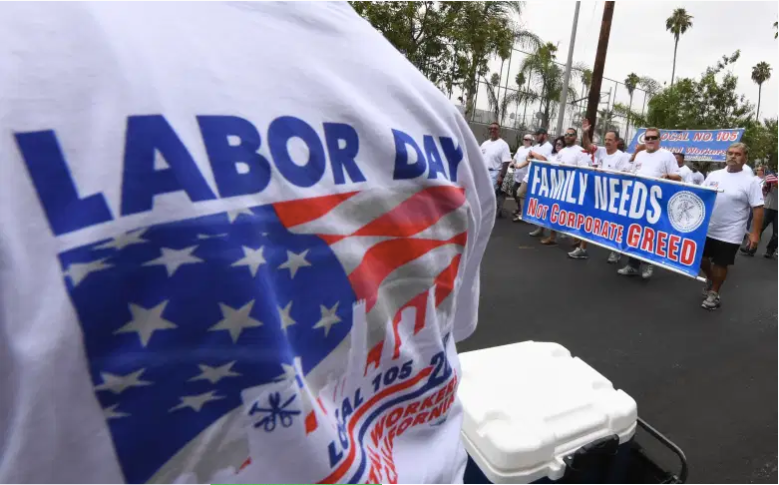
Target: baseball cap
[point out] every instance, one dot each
(541, 131)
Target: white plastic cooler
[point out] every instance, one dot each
(529, 405)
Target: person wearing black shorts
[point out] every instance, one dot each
(740, 194)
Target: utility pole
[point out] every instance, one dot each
(600, 63)
(568, 65)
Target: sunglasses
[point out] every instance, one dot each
(559, 143)
(651, 138)
(527, 139)
(570, 134)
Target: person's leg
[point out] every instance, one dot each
(518, 200)
(706, 267)
(718, 275)
(722, 255)
(631, 268)
(550, 239)
(771, 215)
(538, 231)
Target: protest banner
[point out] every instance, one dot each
(661, 222)
(697, 145)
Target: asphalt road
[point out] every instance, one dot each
(708, 380)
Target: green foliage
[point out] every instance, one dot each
(708, 103)
(421, 31)
(450, 42)
(762, 141)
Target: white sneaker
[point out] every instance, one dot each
(711, 302)
(628, 271)
(578, 253)
(614, 258)
(537, 232)
(647, 273)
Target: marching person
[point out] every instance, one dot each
(759, 175)
(769, 213)
(496, 154)
(540, 151)
(697, 177)
(607, 157)
(684, 171)
(572, 154)
(740, 194)
(520, 172)
(651, 161)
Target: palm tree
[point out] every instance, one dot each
(760, 74)
(541, 68)
(631, 82)
(476, 17)
(678, 23)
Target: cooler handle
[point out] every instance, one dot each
(682, 477)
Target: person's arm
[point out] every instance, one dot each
(757, 225)
(586, 134)
(672, 169)
(506, 162)
(639, 149)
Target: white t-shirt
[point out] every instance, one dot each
(656, 164)
(686, 173)
(495, 152)
(574, 156)
(520, 157)
(618, 161)
(545, 150)
(171, 205)
(741, 193)
(697, 178)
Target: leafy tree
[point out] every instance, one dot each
(418, 30)
(760, 74)
(762, 141)
(677, 24)
(450, 42)
(707, 103)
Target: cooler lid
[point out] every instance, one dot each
(528, 405)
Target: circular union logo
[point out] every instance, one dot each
(686, 211)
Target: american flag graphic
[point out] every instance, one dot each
(179, 319)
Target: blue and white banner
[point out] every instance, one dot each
(658, 221)
(701, 145)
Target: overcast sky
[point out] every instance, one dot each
(639, 42)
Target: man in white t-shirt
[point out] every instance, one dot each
(572, 154)
(740, 194)
(607, 157)
(497, 157)
(204, 237)
(540, 151)
(651, 161)
(684, 171)
(520, 171)
(697, 177)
